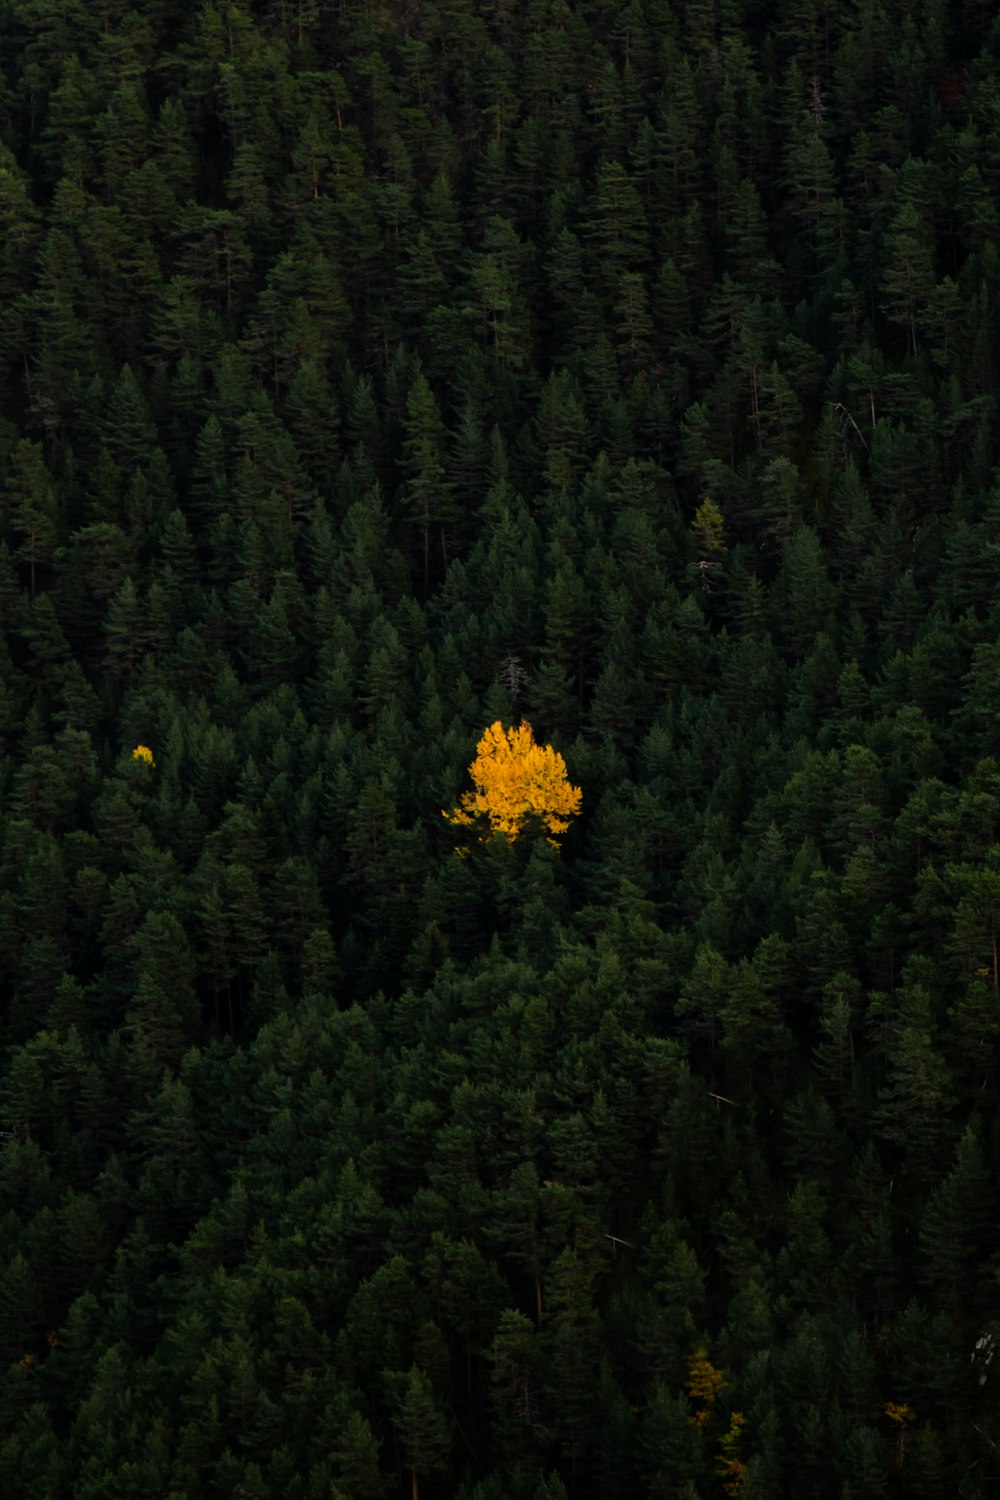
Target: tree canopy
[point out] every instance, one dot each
(371, 373)
(517, 782)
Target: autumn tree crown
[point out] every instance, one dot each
(516, 780)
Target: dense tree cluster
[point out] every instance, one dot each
(374, 371)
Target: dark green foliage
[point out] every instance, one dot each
(368, 373)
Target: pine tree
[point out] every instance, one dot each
(33, 510)
(908, 278)
(422, 1430)
(427, 487)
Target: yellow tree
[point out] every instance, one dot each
(517, 780)
(704, 1382)
(709, 531)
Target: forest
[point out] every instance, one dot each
(617, 380)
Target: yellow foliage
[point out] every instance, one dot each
(516, 780)
(902, 1415)
(733, 1471)
(704, 1382)
(731, 1467)
(709, 530)
(143, 752)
